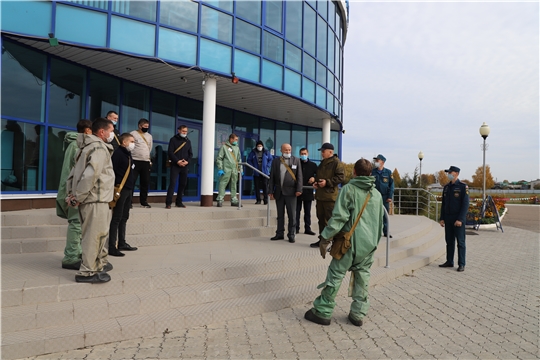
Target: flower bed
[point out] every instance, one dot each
(475, 211)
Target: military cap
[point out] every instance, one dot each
(452, 168)
(380, 157)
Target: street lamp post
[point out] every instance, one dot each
(420, 157)
(484, 132)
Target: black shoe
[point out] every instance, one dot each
(384, 235)
(291, 239)
(107, 268)
(297, 231)
(461, 268)
(309, 232)
(127, 247)
(446, 264)
(74, 266)
(265, 202)
(219, 203)
(355, 322)
(146, 206)
(180, 205)
(236, 205)
(258, 202)
(168, 207)
(97, 278)
(315, 244)
(310, 316)
(115, 252)
(277, 237)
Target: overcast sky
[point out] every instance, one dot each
(423, 76)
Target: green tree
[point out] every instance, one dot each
(349, 174)
(396, 177)
(478, 178)
(442, 177)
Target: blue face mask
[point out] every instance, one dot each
(303, 157)
(450, 177)
(235, 143)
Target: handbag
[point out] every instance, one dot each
(118, 188)
(341, 242)
(168, 163)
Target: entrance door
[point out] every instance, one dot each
(246, 142)
(193, 187)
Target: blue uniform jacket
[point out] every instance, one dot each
(384, 183)
(455, 202)
(266, 161)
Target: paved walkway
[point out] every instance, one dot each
(490, 311)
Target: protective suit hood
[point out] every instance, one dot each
(363, 182)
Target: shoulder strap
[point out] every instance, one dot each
(118, 141)
(125, 176)
(180, 147)
(142, 135)
(288, 168)
(359, 215)
(232, 153)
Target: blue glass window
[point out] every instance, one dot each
(272, 74)
(309, 66)
(104, 96)
(273, 47)
(331, 48)
(163, 119)
(308, 90)
(90, 3)
(338, 21)
(321, 74)
(215, 56)
(329, 102)
(27, 17)
(283, 135)
(216, 24)
(321, 97)
(299, 138)
(72, 25)
(313, 3)
(249, 10)
(314, 143)
(23, 73)
(247, 36)
(293, 82)
(222, 4)
(177, 46)
(135, 105)
(321, 40)
(246, 66)
(293, 29)
(68, 84)
(322, 8)
(182, 14)
(293, 57)
(274, 14)
(332, 14)
(330, 81)
(132, 36)
(309, 29)
(336, 65)
(140, 9)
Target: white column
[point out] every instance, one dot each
(326, 131)
(208, 136)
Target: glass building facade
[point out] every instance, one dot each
(292, 48)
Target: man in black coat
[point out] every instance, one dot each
(309, 173)
(180, 155)
(285, 185)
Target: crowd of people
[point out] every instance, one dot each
(101, 167)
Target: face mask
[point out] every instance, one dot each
(377, 164)
(130, 147)
(286, 156)
(115, 123)
(259, 148)
(183, 135)
(235, 143)
(303, 157)
(111, 137)
(450, 177)
(144, 130)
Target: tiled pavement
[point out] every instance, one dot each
(490, 311)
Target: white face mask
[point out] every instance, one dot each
(377, 164)
(286, 156)
(183, 135)
(111, 137)
(259, 148)
(450, 177)
(130, 147)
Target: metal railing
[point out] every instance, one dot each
(416, 201)
(240, 189)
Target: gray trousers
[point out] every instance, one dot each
(95, 221)
(288, 202)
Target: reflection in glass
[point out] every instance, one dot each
(308, 90)
(272, 74)
(215, 56)
(267, 135)
(163, 108)
(246, 122)
(23, 82)
(246, 66)
(293, 82)
(189, 109)
(55, 156)
(97, 4)
(182, 14)
(309, 29)
(321, 97)
(135, 106)
(283, 135)
(222, 4)
(334, 139)
(321, 74)
(337, 54)
(321, 40)
(68, 83)
(247, 36)
(293, 19)
(273, 47)
(314, 143)
(332, 14)
(331, 48)
(249, 10)
(159, 175)
(322, 8)
(330, 102)
(21, 156)
(299, 137)
(274, 14)
(216, 24)
(140, 9)
(293, 57)
(309, 66)
(104, 95)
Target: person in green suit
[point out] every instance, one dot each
(227, 164)
(72, 251)
(364, 240)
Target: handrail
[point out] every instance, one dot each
(387, 236)
(240, 173)
(418, 200)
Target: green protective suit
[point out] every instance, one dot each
(72, 251)
(228, 162)
(364, 242)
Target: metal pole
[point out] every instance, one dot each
(420, 172)
(387, 237)
(239, 188)
(484, 187)
(417, 203)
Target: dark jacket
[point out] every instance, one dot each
(266, 161)
(455, 202)
(333, 172)
(384, 183)
(121, 158)
(290, 187)
(116, 141)
(183, 154)
(309, 170)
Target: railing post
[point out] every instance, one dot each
(416, 203)
(239, 188)
(387, 237)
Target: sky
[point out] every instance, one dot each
(424, 76)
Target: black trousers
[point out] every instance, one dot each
(143, 169)
(261, 183)
(178, 174)
(288, 202)
(324, 213)
(120, 216)
(307, 214)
